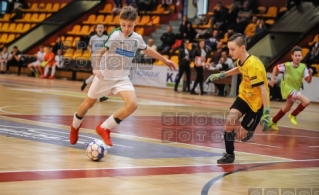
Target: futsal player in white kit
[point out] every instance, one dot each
(96, 42)
(113, 77)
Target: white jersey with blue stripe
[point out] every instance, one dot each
(117, 60)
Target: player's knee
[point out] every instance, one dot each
(132, 106)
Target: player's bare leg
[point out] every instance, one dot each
(229, 136)
(103, 129)
(78, 117)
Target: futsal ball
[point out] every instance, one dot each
(96, 150)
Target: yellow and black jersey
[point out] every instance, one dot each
(254, 74)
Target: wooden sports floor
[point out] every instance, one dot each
(152, 154)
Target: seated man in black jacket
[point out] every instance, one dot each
(168, 40)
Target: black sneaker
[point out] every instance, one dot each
(226, 159)
(102, 99)
(83, 86)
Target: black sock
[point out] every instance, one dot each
(117, 120)
(229, 138)
(76, 115)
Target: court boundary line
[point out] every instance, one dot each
(120, 135)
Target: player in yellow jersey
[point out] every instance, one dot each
(252, 101)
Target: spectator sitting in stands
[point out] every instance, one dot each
(239, 26)
(47, 63)
(227, 60)
(189, 33)
(220, 16)
(232, 14)
(35, 66)
(117, 7)
(15, 58)
(245, 13)
(212, 41)
(18, 14)
(251, 28)
(131, 3)
(147, 59)
(3, 58)
(145, 5)
(59, 59)
(58, 45)
(168, 39)
(313, 55)
(216, 55)
(260, 27)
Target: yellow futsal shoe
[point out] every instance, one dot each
(293, 119)
(274, 126)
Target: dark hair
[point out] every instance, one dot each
(296, 48)
(15, 47)
(128, 13)
(239, 38)
(198, 46)
(99, 24)
(183, 41)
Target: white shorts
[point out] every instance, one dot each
(36, 63)
(100, 87)
(293, 96)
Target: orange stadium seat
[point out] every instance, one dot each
(107, 8)
(85, 30)
(159, 9)
(140, 31)
(26, 27)
(5, 18)
(12, 27)
(75, 30)
(316, 38)
(63, 5)
(90, 19)
(174, 59)
(107, 19)
(55, 7)
(115, 20)
(4, 27)
(87, 55)
(75, 41)
(19, 28)
(10, 37)
(99, 19)
(304, 51)
(77, 54)
(110, 29)
(270, 22)
(26, 18)
(145, 19)
(3, 38)
(272, 12)
(69, 53)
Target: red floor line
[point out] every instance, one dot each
(72, 174)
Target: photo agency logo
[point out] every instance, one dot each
(283, 191)
(197, 127)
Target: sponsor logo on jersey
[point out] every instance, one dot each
(125, 53)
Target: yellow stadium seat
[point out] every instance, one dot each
(155, 21)
(145, 19)
(55, 7)
(48, 7)
(85, 30)
(4, 27)
(6, 17)
(77, 54)
(34, 17)
(272, 12)
(34, 7)
(69, 53)
(41, 17)
(26, 18)
(159, 9)
(316, 38)
(10, 38)
(110, 29)
(63, 5)
(107, 8)
(75, 30)
(19, 28)
(270, 22)
(107, 19)
(90, 19)
(140, 31)
(304, 51)
(174, 59)
(87, 55)
(12, 27)
(115, 20)
(75, 41)
(26, 27)
(4, 38)
(99, 19)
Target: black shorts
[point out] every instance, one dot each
(251, 119)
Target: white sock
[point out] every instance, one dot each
(109, 123)
(76, 122)
(89, 80)
(53, 71)
(46, 70)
